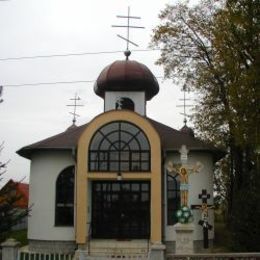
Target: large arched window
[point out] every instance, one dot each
(173, 198)
(64, 212)
(119, 147)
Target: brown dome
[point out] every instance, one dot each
(126, 75)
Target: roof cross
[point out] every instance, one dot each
(128, 27)
(75, 105)
(184, 99)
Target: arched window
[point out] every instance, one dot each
(125, 103)
(173, 198)
(64, 212)
(119, 147)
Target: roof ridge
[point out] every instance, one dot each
(150, 119)
(171, 140)
(197, 139)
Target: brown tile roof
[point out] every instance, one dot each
(63, 141)
(171, 140)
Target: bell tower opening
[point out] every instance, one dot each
(124, 81)
(125, 103)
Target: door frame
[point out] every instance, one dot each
(108, 216)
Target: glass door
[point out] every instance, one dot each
(121, 210)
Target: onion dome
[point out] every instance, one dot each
(126, 75)
(187, 130)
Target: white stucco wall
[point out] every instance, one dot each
(137, 97)
(45, 168)
(197, 181)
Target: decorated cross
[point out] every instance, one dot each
(204, 207)
(184, 170)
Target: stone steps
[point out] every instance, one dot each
(113, 249)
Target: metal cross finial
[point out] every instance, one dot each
(128, 26)
(184, 99)
(75, 105)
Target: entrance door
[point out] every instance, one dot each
(121, 209)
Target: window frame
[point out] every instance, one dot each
(112, 198)
(67, 205)
(174, 204)
(127, 149)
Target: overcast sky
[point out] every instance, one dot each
(45, 27)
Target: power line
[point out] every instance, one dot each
(62, 55)
(48, 83)
(53, 83)
(70, 54)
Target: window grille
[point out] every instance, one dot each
(173, 198)
(64, 213)
(119, 147)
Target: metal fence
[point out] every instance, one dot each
(227, 256)
(219, 256)
(83, 255)
(43, 256)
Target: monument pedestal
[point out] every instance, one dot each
(184, 238)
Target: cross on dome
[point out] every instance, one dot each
(184, 99)
(128, 27)
(75, 105)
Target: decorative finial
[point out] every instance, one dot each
(184, 99)
(128, 26)
(127, 54)
(75, 105)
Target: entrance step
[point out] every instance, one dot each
(114, 249)
(115, 257)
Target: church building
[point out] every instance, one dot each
(105, 187)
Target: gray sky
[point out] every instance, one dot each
(44, 27)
